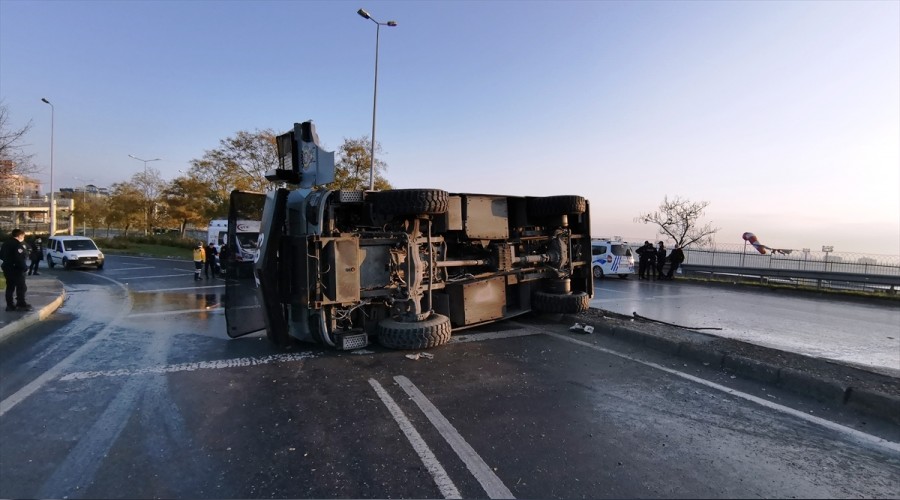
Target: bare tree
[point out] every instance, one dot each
(13, 159)
(679, 219)
(150, 184)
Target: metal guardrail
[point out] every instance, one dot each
(865, 273)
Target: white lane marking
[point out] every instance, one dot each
(492, 484)
(441, 479)
(849, 431)
(125, 269)
(177, 289)
(54, 372)
(136, 257)
(215, 309)
(182, 275)
(478, 337)
(191, 367)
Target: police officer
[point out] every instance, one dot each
(36, 256)
(14, 254)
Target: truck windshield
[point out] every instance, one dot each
(248, 240)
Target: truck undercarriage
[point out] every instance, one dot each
(405, 266)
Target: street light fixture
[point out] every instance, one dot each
(378, 25)
(145, 161)
(52, 126)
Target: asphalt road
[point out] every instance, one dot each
(133, 390)
(852, 331)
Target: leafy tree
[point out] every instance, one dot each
(240, 162)
(13, 159)
(121, 206)
(679, 219)
(354, 163)
(89, 211)
(189, 201)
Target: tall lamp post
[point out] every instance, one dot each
(52, 126)
(378, 26)
(146, 215)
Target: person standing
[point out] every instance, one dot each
(660, 260)
(36, 256)
(676, 258)
(14, 254)
(211, 264)
(644, 253)
(199, 259)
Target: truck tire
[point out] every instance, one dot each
(410, 201)
(431, 332)
(560, 303)
(598, 272)
(50, 262)
(556, 205)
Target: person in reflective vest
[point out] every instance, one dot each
(199, 259)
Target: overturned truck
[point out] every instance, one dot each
(407, 267)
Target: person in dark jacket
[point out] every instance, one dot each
(212, 261)
(676, 257)
(14, 254)
(36, 256)
(645, 253)
(660, 260)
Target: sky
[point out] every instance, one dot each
(784, 116)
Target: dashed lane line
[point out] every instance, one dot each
(191, 367)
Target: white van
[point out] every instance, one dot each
(73, 251)
(246, 233)
(611, 257)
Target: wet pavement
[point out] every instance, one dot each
(133, 390)
(45, 294)
(858, 331)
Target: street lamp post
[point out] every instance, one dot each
(52, 126)
(378, 26)
(147, 214)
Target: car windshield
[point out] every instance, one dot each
(75, 245)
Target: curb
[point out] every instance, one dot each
(815, 383)
(32, 318)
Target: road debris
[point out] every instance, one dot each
(638, 316)
(578, 327)
(416, 356)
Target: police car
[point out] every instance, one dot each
(611, 257)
